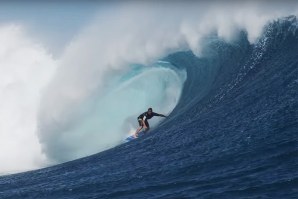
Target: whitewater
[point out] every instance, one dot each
(229, 88)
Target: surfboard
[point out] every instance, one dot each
(129, 138)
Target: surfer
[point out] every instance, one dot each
(143, 120)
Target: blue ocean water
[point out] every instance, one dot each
(233, 134)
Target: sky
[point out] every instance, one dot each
(60, 63)
(53, 22)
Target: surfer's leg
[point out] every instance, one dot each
(139, 129)
(148, 127)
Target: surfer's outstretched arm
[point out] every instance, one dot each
(160, 115)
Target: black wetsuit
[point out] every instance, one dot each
(145, 116)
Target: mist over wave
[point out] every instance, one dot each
(25, 69)
(88, 99)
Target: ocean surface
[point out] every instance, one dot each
(233, 134)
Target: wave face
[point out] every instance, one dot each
(233, 133)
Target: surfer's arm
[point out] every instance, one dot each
(160, 115)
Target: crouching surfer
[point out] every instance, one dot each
(143, 120)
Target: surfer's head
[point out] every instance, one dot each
(149, 111)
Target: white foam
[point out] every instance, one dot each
(25, 68)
